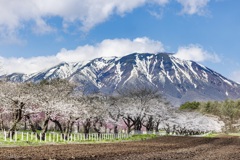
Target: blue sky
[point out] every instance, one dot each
(38, 34)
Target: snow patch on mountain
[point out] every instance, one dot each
(179, 80)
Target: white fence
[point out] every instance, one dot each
(73, 137)
(58, 137)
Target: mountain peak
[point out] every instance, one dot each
(179, 80)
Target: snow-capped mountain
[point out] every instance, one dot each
(178, 80)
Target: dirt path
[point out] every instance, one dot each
(163, 148)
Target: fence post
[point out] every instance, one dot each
(57, 137)
(10, 136)
(5, 135)
(53, 136)
(15, 136)
(154, 132)
(36, 138)
(27, 136)
(31, 136)
(40, 137)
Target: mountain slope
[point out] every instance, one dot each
(179, 80)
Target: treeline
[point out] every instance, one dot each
(228, 111)
(38, 106)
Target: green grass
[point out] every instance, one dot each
(141, 137)
(234, 134)
(32, 141)
(211, 135)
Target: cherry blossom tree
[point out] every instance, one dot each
(52, 99)
(18, 100)
(141, 105)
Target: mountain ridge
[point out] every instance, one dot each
(179, 80)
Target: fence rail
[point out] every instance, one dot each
(18, 136)
(59, 137)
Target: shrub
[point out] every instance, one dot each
(189, 106)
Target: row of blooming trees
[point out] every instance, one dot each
(228, 111)
(58, 105)
(36, 106)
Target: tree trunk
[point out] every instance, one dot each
(12, 130)
(137, 124)
(25, 123)
(149, 124)
(71, 127)
(86, 127)
(115, 129)
(157, 126)
(17, 117)
(2, 125)
(32, 126)
(58, 124)
(78, 127)
(45, 128)
(67, 130)
(128, 123)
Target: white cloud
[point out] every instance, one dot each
(193, 6)
(111, 47)
(196, 53)
(106, 48)
(87, 13)
(26, 65)
(42, 27)
(157, 14)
